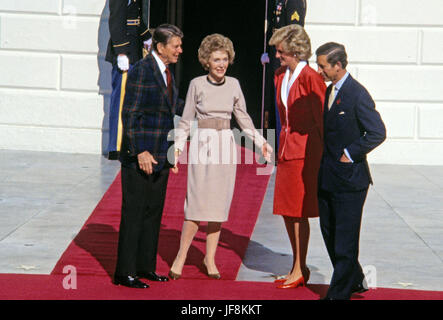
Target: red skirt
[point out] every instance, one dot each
(295, 193)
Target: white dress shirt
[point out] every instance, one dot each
(338, 86)
(339, 83)
(162, 67)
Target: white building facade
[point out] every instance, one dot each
(55, 84)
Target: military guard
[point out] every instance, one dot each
(129, 35)
(289, 12)
(282, 13)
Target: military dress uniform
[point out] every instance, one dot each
(282, 13)
(128, 32)
(289, 12)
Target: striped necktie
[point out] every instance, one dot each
(331, 97)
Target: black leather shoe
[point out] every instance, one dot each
(113, 155)
(359, 288)
(130, 282)
(152, 276)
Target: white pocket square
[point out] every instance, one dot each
(342, 113)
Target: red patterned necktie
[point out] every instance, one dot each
(169, 80)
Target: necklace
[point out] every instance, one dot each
(216, 83)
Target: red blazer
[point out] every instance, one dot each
(302, 128)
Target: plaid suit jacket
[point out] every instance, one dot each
(148, 114)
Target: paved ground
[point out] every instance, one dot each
(401, 239)
(46, 197)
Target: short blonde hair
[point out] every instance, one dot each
(212, 43)
(294, 40)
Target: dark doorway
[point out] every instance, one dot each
(240, 20)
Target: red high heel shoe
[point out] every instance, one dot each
(300, 282)
(306, 275)
(282, 280)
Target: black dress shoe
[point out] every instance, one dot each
(359, 288)
(130, 282)
(152, 276)
(113, 155)
(327, 298)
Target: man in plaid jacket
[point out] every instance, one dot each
(151, 101)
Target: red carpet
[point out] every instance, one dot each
(93, 251)
(93, 254)
(50, 287)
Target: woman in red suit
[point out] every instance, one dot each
(300, 93)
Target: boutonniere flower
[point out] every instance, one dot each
(338, 101)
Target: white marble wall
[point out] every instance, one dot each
(55, 84)
(395, 50)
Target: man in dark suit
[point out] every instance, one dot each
(151, 101)
(129, 35)
(352, 128)
(282, 13)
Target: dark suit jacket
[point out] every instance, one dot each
(354, 124)
(126, 36)
(148, 114)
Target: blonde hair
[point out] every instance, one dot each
(212, 43)
(294, 40)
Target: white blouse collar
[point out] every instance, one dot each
(287, 83)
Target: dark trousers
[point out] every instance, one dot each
(142, 208)
(340, 221)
